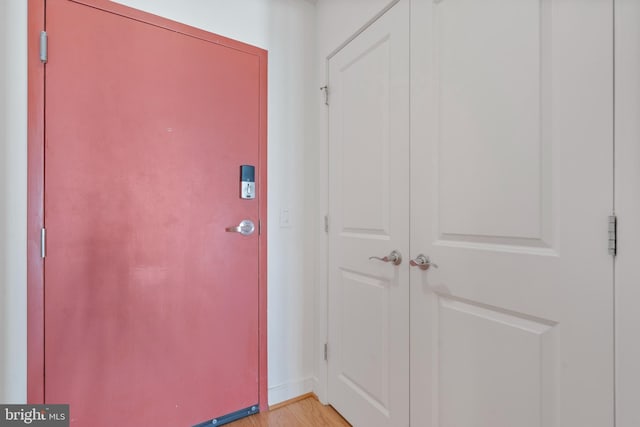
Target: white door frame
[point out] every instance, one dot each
(627, 206)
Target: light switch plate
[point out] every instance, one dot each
(285, 218)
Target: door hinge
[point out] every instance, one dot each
(325, 88)
(43, 242)
(613, 235)
(326, 223)
(326, 351)
(44, 47)
(259, 227)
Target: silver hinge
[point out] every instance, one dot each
(44, 53)
(326, 223)
(326, 351)
(43, 242)
(613, 235)
(325, 88)
(259, 227)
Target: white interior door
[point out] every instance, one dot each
(511, 190)
(369, 201)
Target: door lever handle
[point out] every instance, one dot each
(246, 228)
(422, 262)
(394, 257)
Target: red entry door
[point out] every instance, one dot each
(151, 307)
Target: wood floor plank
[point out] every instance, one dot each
(312, 412)
(308, 412)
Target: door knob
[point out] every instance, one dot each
(394, 257)
(246, 228)
(422, 262)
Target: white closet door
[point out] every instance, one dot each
(369, 211)
(511, 161)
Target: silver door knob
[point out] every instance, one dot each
(394, 257)
(422, 262)
(246, 228)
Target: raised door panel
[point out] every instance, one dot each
(496, 368)
(494, 173)
(365, 142)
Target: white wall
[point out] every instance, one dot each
(337, 21)
(13, 200)
(286, 28)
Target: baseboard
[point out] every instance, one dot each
(290, 390)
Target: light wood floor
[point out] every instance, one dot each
(308, 412)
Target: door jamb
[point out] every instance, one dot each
(35, 191)
(35, 204)
(626, 204)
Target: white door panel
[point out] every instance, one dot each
(511, 161)
(491, 360)
(369, 202)
(492, 147)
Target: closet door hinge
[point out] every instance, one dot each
(326, 351)
(613, 235)
(44, 47)
(326, 223)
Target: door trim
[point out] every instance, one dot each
(361, 30)
(627, 206)
(35, 191)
